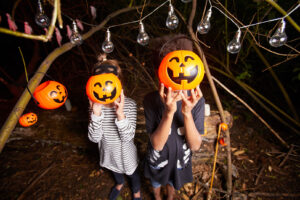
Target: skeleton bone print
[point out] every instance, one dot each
(186, 150)
(155, 155)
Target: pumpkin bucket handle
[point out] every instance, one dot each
(45, 74)
(36, 101)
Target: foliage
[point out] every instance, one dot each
(247, 67)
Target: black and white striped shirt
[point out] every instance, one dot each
(115, 138)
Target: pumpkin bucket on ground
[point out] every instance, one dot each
(28, 119)
(181, 70)
(50, 95)
(103, 88)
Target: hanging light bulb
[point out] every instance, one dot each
(204, 26)
(107, 45)
(40, 18)
(75, 36)
(186, 1)
(143, 37)
(234, 46)
(279, 38)
(172, 20)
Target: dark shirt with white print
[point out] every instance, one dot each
(173, 163)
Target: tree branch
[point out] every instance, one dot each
(13, 117)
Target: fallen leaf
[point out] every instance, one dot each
(233, 148)
(270, 168)
(239, 152)
(244, 186)
(184, 196)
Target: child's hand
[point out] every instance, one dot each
(169, 99)
(188, 102)
(119, 105)
(96, 107)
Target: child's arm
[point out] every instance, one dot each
(95, 131)
(160, 136)
(192, 134)
(126, 124)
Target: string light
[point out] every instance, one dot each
(172, 20)
(40, 18)
(107, 45)
(75, 38)
(279, 38)
(204, 26)
(143, 37)
(234, 46)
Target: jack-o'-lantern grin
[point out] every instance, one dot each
(179, 71)
(182, 76)
(54, 94)
(31, 120)
(107, 91)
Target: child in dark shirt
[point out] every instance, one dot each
(175, 122)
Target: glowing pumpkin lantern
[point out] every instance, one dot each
(181, 70)
(103, 88)
(28, 119)
(50, 95)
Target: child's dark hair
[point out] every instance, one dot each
(105, 65)
(166, 44)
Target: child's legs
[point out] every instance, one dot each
(171, 191)
(157, 188)
(135, 181)
(119, 178)
(156, 192)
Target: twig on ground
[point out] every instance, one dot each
(35, 181)
(256, 194)
(259, 174)
(287, 155)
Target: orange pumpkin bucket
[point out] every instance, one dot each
(181, 70)
(50, 95)
(28, 119)
(103, 88)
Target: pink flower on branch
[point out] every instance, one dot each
(11, 24)
(58, 36)
(27, 28)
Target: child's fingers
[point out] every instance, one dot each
(184, 98)
(169, 93)
(193, 95)
(122, 97)
(199, 92)
(91, 103)
(185, 93)
(178, 97)
(161, 91)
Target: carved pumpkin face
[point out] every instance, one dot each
(103, 88)
(50, 95)
(28, 119)
(181, 70)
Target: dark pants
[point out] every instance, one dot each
(134, 180)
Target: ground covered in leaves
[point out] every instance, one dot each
(54, 160)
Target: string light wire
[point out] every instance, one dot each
(212, 6)
(142, 19)
(271, 20)
(249, 25)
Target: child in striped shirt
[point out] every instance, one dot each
(112, 126)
